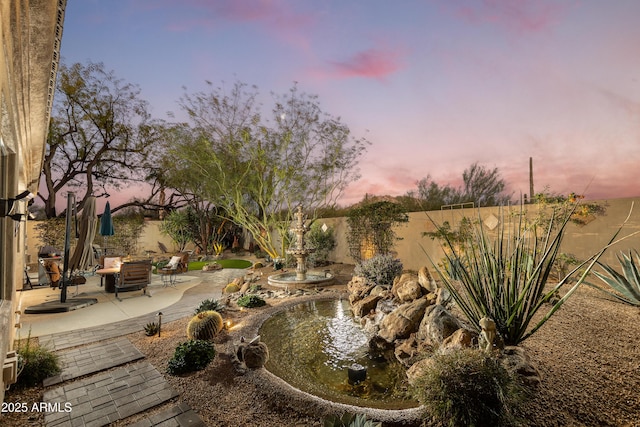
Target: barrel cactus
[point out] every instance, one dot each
(231, 288)
(204, 326)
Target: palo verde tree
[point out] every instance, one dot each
(259, 168)
(100, 136)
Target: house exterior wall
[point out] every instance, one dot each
(31, 31)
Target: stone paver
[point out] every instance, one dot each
(94, 358)
(105, 398)
(176, 416)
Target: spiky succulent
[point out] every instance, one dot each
(204, 326)
(151, 329)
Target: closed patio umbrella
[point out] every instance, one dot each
(106, 224)
(83, 257)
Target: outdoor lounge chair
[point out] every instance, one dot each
(133, 276)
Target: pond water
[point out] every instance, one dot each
(312, 345)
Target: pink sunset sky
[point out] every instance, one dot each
(434, 85)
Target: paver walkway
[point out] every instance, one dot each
(94, 358)
(130, 389)
(104, 398)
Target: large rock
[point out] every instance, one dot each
(418, 370)
(407, 351)
(406, 287)
(358, 288)
(462, 338)
(425, 279)
(516, 361)
(365, 306)
(437, 325)
(404, 320)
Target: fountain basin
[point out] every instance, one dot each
(274, 388)
(320, 348)
(289, 279)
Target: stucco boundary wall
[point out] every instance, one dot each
(582, 241)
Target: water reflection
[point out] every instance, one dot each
(311, 346)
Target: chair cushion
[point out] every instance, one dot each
(173, 263)
(114, 262)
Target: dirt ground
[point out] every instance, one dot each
(588, 356)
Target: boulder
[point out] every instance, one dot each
(443, 297)
(517, 362)
(425, 279)
(358, 288)
(402, 321)
(418, 370)
(462, 338)
(407, 351)
(406, 287)
(365, 306)
(254, 354)
(437, 325)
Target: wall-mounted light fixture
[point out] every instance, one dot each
(9, 207)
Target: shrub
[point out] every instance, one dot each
(151, 329)
(210, 305)
(250, 301)
(36, 364)
(323, 243)
(204, 326)
(467, 388)
(350, 420)
(381, 269)
(191, 356)
(626, 286)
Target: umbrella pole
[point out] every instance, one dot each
(71, 200)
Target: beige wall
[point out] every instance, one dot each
(581, 241)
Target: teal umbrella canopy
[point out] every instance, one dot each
(106, 223)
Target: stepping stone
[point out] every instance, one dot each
(94, 358)
(107, 397)
(179, 415)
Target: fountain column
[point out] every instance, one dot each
(298, 250)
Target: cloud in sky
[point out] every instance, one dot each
(516, 16)
(373, 63)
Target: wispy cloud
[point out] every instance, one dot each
(374, 63)
(519, 16)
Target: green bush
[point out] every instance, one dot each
(250, 301)
(323, 242)
(191, 356)
(36, 364)
(381, 269)
(210, 305)
(467, 388)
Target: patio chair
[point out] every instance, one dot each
(134, 276)
(52, 269)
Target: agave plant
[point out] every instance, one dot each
(505, 278)
(626, 286)
(350, 420)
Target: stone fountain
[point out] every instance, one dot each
(300, 252)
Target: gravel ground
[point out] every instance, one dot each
(588, 356)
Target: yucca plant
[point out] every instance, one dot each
(626, 286)
(505, 279)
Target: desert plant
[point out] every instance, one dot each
(36, 363)
(218, 248)
(210, 304)
(625, 286)
(191, 356)
(381, 269)
(322, 241)
(151, 329)
(204, 325)
(250, 301)
(231, 288)
(350, 420)
(467, 388)
(505, 279)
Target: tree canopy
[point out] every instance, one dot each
(258, 167)
(100, 136)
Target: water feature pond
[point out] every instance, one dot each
(312, 345)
